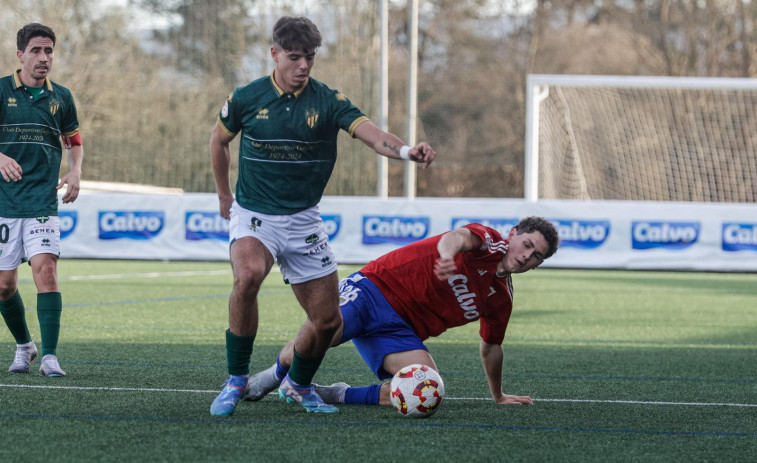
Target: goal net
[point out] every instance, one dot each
(641, 138)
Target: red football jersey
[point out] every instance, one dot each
(406, 278)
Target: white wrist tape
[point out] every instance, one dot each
(405, 153)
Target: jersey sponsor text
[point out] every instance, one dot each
(465, 297)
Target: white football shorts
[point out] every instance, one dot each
(297, 242)
(22, 239)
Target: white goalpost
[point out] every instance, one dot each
(641, 138)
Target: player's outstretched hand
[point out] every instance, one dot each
(515, 400)
(73, 180)
(422, 153)
(9, 169)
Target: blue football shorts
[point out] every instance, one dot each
(372, 325)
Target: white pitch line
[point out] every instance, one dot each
(204, 391)
(103, 388)
(624, 402)
(114, 276)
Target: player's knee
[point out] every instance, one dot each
(248, 280)
(8, 284)
(45, 270)
(6, 290)
(327, 323)
(47, 282)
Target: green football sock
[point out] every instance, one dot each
(238, 353)
(303, 369)
(15, 317)
(49, 308)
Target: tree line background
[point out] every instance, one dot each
(149, 94)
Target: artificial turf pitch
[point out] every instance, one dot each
(622, 366)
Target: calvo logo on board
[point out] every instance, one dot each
(502, 225)
(332, 223)
(205, 225)
(397, 230)
(582, 234)
(132, 225)
(67, 221)
(672, 235)
(739, 237)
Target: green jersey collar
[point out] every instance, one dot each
(18, 84)
(281, 92)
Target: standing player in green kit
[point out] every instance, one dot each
(289, 124)
(37, 119)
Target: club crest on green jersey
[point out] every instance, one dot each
(54, 106)
(311, 115)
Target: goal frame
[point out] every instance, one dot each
(537, 89)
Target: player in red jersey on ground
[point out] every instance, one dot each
(419, 291)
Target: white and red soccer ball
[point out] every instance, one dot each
(417, 391)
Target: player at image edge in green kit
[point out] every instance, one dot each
(37, 121)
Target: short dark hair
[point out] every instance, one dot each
(543, 226)
(28, 32)
(296, 33)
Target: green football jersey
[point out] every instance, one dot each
(287, 149)
(30, 131)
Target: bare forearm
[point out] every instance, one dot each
(389, 145)
(74, 157)
(491, 359)
(458, 240)
(450, 244)
(221, 161)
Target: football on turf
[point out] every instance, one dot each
(417, 391)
